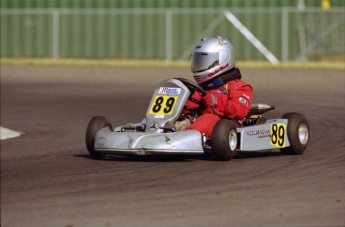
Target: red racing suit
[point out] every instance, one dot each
(232, 101)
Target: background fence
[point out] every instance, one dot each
(107, 4)
(288, 33)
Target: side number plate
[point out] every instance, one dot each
(278, 132)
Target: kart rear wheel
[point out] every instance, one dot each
(297, 132)
(96, 123)
(224, 139)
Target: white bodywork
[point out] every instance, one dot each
(141, 143)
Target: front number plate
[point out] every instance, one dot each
(163, 105)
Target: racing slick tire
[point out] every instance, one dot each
(297, 132)
(224, 139)
(95, 124)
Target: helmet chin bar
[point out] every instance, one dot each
(210, 74)
(223, 78)
(220, 69)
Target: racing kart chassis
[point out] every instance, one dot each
(156, 134)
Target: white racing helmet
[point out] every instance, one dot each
(211, 57)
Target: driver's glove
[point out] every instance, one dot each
(192, 104)
(209, 100)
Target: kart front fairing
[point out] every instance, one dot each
(155, 134)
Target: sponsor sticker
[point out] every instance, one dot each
(159, 116)
(221, 43)
(260, 133)
(154, 126)
(246, 96)
(243, 100)
(169, 90)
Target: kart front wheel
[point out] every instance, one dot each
(297, 132)
(96, 123)
(224, 139)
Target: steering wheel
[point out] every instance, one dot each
(192, 86)
(194, 111)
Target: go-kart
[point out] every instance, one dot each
(157, 135)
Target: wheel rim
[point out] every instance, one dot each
(233, 140)
(303, 133)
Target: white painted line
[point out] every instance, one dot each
(6, 133)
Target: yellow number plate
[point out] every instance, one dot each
(278, 132)
(163, 105)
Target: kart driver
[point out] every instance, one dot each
(213, 68)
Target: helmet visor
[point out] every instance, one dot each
(202, 61)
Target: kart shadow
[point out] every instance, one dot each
(146, 158)
(257, 154)
(174, 158)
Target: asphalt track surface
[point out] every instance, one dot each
(48, 178)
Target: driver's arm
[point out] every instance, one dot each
(235, 105)
(239, 101)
